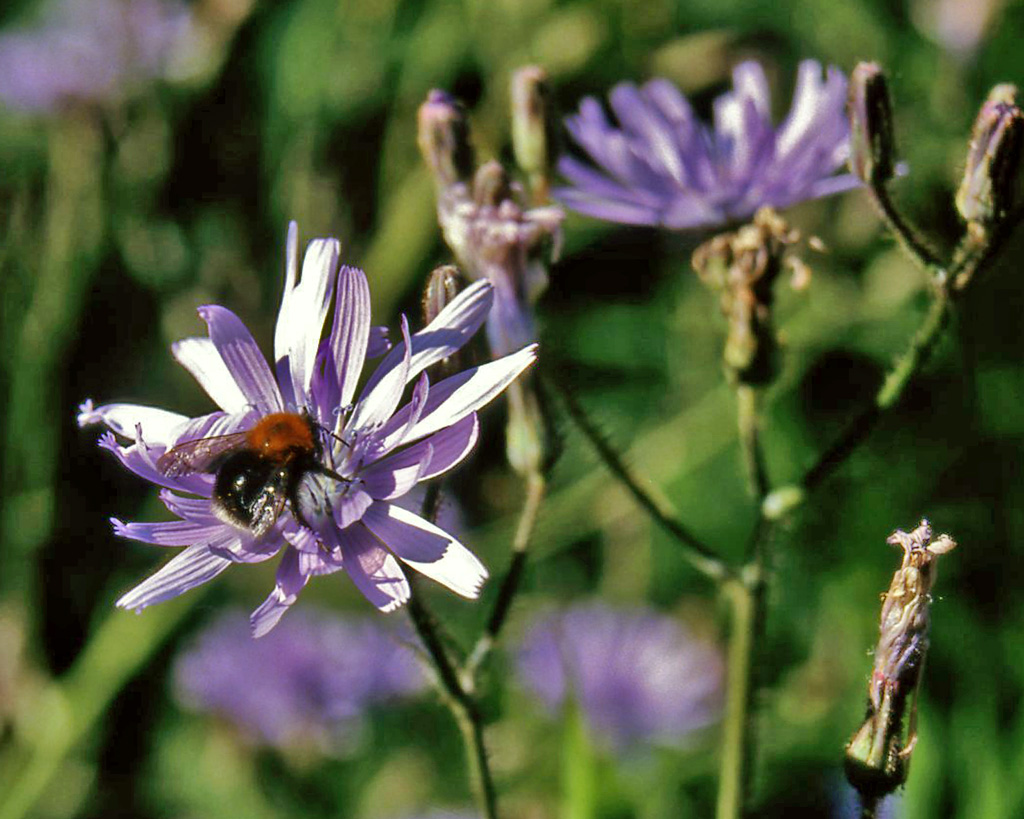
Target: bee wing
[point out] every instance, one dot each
(270, 501)
(198, 455)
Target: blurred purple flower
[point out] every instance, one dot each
(664, 167)
(308, 683)
(380, 449)
(90, 50)
(638, 677)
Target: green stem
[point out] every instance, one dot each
(535, 488)
(701, 557)
(908, 237)
(921, 348)
(462, 705)
(746, 606)
(748, 405)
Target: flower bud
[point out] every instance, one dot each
(878, 755)
(533, 127)
(444, 139)
(491, 185)
(986, 192)
(442, 287)
(871, 138)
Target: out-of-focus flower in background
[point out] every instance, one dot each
(637, 676)
(960, 26)
(91, 51)
(661, 166)
(373, 450)
(308, 684)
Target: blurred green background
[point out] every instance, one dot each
(119, 216)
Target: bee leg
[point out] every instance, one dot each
(330, 473)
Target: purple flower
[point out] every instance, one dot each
(637, 676)
(379, 447)
(307, 683)
(662, 166)
(90, 50)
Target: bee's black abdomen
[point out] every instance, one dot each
(250, 491)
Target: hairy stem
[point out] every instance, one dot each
(908, 237)
(462, 705)
(535, 488)
(701, 557)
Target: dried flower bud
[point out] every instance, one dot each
(443, 286)
(742, 267)
(533, 125)
(878, 755)
(986, 192)
(872, 147)
(444, 139)
(491, 185)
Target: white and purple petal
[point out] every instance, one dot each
(427, 548)
(189, 568)
(243, 358)
(200, 357)
(373, 569)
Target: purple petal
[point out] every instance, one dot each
(428, 549)
(350, 334)
(281, 349)
(200, 357)
(447, 448)
(456, 397)
(350, 506)
(301, 320)
(168, 533)
(373, 568)
(142, 461)
(385, 481)
(446, 334)
(381, 396)
(379, 343)
(290, 581)
(159, 426)
(243, 358)
(186, 570)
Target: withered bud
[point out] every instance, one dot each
(742, 267)
(443, 285)
(533, 123)
(872, 148)
(491, 185)
(878, 755)
(990, 175)
(443, 137)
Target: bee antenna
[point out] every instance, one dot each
(334, 435)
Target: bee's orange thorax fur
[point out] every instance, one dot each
(281, 436)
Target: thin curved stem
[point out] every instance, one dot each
(462, 705)
(535, 489)
(920, 350)
(901, 228)
(700, 556)
(456, 696)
